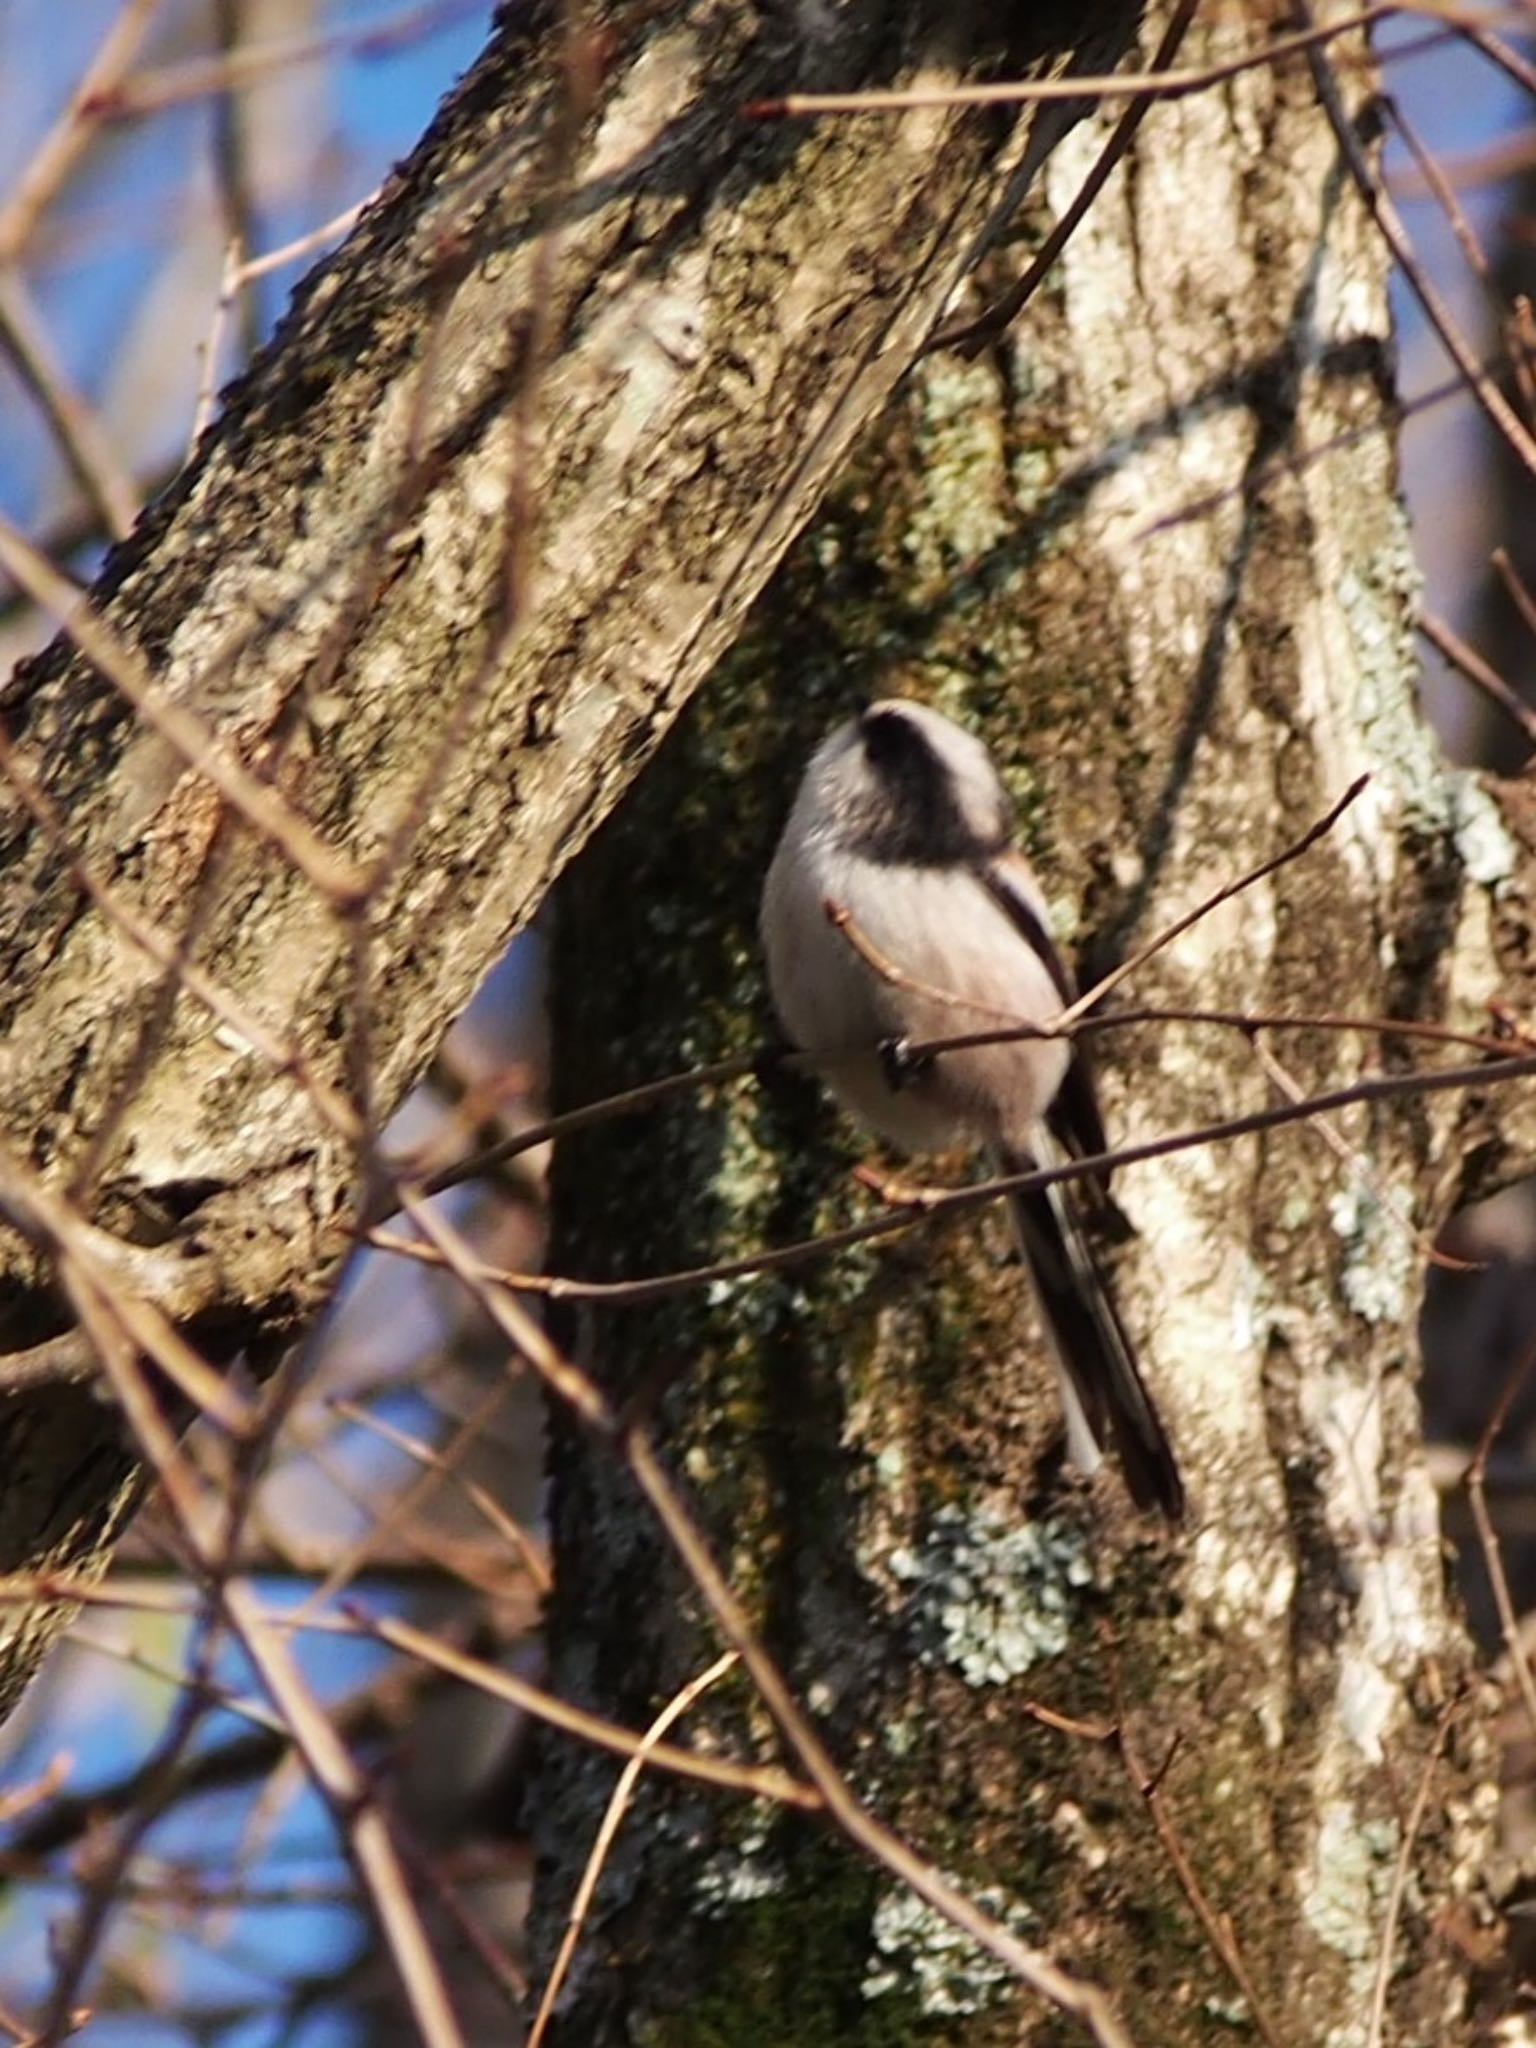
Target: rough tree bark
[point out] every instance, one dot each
(873, 1440)
(514, 465)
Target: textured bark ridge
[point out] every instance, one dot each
(602, 326)
(873, 1440)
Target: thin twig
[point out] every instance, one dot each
(761, 1781)
(781, 1059)
(1493, 1556)
(1514, 583)
(305, 245)
(627, 1436)
(233, 69)
(612, 1819)
(1361, 1167)
(232, 167)
(85, 447)
(1468, 662)
(71, 134)
(975, 334)
(1444, 192)
(1379, 203)
(1324, 825)
(210, 348)
(1167, 85)
(926, 1202)
(262, 806)
(1504, 55)
(101, 1891)
(83, 1255)
(357, 1814)
(438, 1465)
(1218, 1928)
(1032, 1968)
(1400, 1869)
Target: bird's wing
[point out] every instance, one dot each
(1074, 1117)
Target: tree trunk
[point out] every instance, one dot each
(460, 546)
(1151, 547)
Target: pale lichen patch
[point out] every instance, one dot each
(991, 1598)
(1379, 1271)
(921, 1952)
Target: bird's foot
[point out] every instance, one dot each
(900, 1065)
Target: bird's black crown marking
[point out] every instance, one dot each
(919, 821)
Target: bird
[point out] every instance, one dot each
(897, 912)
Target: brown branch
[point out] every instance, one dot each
(1410, 1835)
(975, 335)
(374, 1713)
(1493, 1556)
(86, 449)
(1504, 55)
(1159, 85)
(774, 1059)
(1514, 583)
(1314, 832)
(1084, 2001)
(1493, 402)
(531, 1342)
(357, 1813)
(923, 1203)
(1468, 662)
(1217, 1926)
(760, 1781)
(618, 1806)
(1362, 1169)
(438, 1465)
(232, 70)
(57, 154)
(264, 808)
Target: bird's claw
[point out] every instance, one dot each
(900, 1065)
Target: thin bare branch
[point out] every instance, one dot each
(1503, 416)
(761, 1781)
(262, 806)
(975, 335)
(1164, 85)
(920, 1203)
(1361, 1168)
(72, 133)
(1218, 1928)
(1400, 1870)
(357, 1812)
(1519, 594)
(78, 434)
(1084, 2001)
(1468, 662)
(1092, 997)
(618, 1806)
(246, 64)
(1487, 1535)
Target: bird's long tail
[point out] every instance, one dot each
(1105, 1397)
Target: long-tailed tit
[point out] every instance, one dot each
(902, 822)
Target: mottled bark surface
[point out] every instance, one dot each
(873, 1440)
(505, 481)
